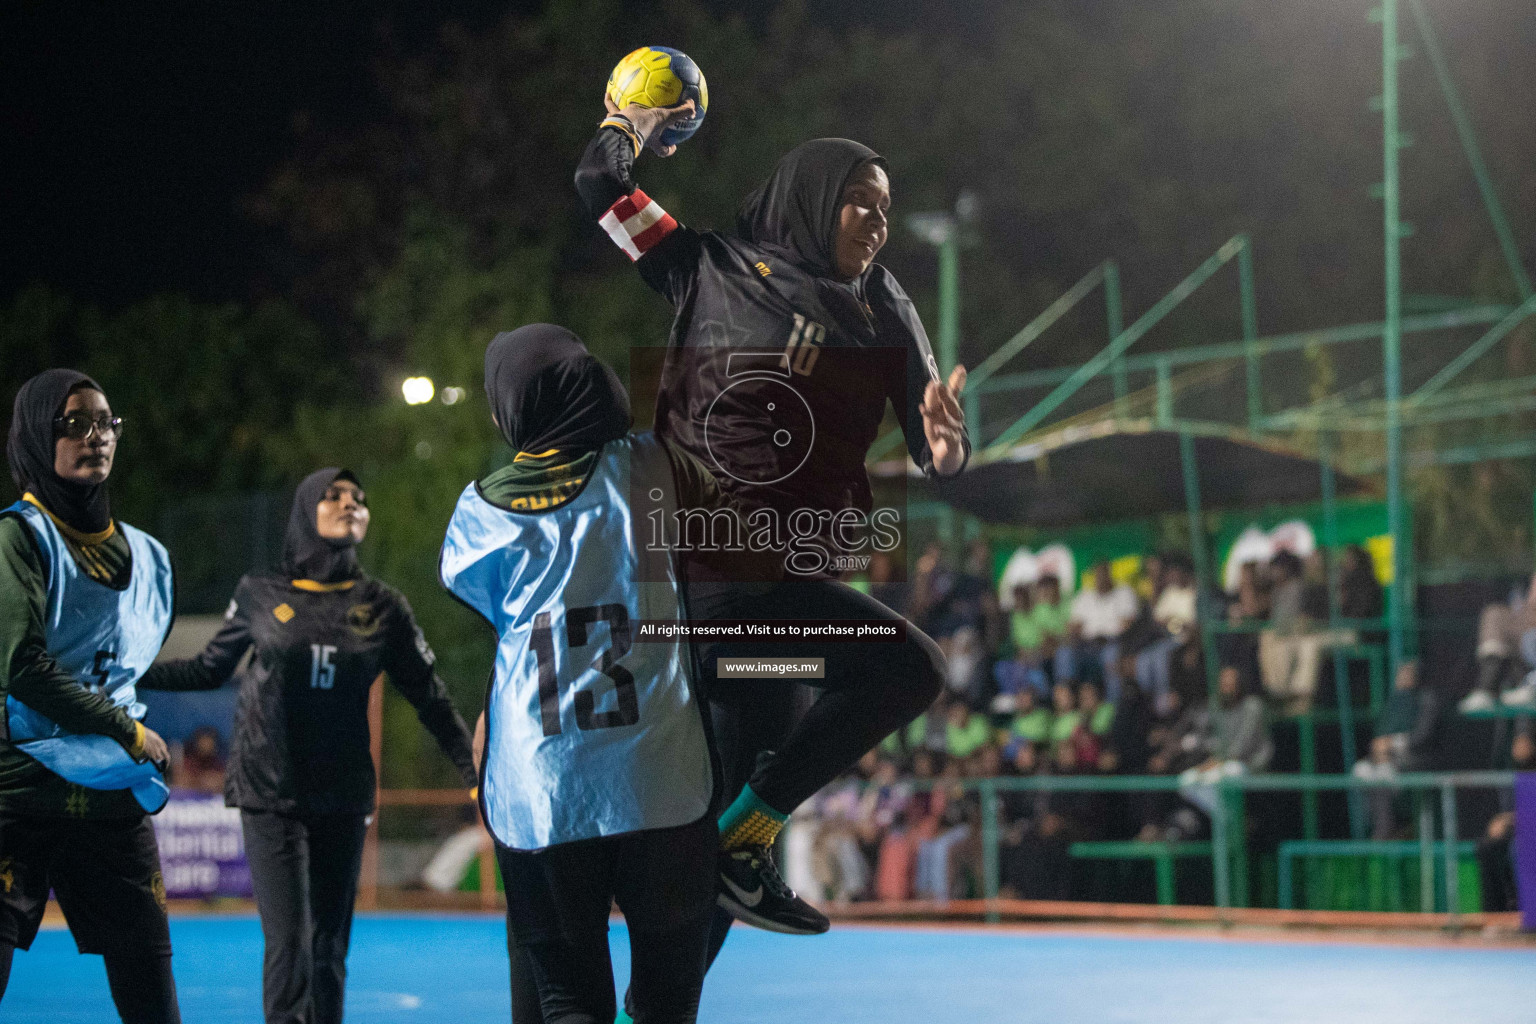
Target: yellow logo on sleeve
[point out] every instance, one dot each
(283, 613)
(363, 620)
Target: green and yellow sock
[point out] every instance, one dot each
(750, 822)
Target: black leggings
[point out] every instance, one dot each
(869, 691)
(558, 901)
(304, 871)
(142, 988)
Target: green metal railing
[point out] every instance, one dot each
(1392, 849)
(1381, 408)
(1229, 848)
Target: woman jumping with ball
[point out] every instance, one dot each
(793, 299)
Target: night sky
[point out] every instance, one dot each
(133, 132)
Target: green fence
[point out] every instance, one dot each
(1436, 857)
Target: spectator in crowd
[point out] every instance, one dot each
(1173, 744)
(1247, 606)
(1053, 615)
(1023, 631)
(960, 611)
(1099, 618)
(1028, 733)
(965, 731)
(1038, 627)
(953, 815)
(1237, 740)
(1126, 744)
(1495, 853)
(1040, 828)
(1026, 668)
(1072, 727)
(1150, 578)
(915, 821)
(1173, 618)
(1232, 741)
(822, 852)
(1360, 593)
(1174, 738)
(950, 600)
(880, 806)
(1292, 648)
(1314, 587)
(1064, 715)
(1097, 715)
(1406, 729)
(1250, 601)
(1406, 738)
(201, 765)
(1506, 653)
(1280, 672)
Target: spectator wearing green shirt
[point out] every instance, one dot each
(1023, 627)
(1052, 613)
(1027, 734)
(1066, 718)
(1030, 722)
(965, 732)
(1098, 715)
(1025, 669)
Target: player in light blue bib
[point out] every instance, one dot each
(85, 603)
(597, 776)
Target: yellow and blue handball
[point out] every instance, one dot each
(659, 76)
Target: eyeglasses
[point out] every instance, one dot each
(334, 494)
(78, 426)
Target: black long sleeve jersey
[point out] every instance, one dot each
(301, 739)
(759, 382)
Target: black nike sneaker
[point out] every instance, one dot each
(752, 891)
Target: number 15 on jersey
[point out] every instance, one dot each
(322, 673)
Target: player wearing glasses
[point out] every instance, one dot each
(85, 603)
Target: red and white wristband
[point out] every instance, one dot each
(637, 223)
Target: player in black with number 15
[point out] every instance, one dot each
(300, 769)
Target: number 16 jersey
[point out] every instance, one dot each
(593, 728)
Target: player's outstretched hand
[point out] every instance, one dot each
(155, 749)
(944, 423)
(650, 122)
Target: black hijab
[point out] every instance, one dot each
(548, 391)
(306, 554)
(30, 450)
(795, 214)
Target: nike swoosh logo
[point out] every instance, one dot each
(748, 899)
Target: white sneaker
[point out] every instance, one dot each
(1522, 696)
(1477, 700)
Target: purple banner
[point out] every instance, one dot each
(202, 852)
(1525, 847)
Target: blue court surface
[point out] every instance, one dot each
(452, 970)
